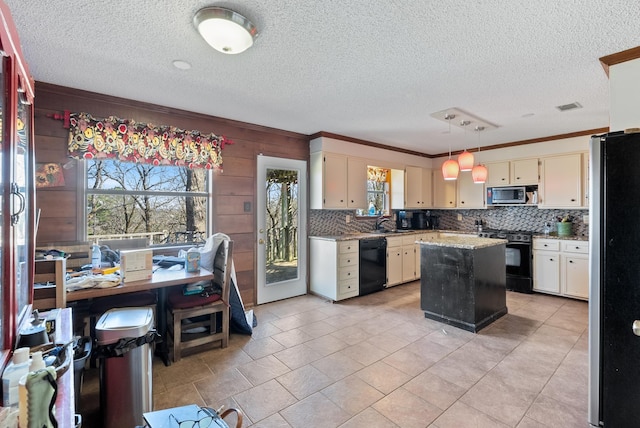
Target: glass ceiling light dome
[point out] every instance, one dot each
(225, 30)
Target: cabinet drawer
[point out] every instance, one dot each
(348, 273)
(546, 244)
(580, 247)
(348, 247)
(346, 260)
(348, 287)
(410, 239)
(395, 241)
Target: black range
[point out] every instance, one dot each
(519, 257)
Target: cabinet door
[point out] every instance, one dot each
(394, 266)
(575, 275)
(524, 171)
(497, 174)
(444, 192)
(546, 277)
(562, 181)
(408, 263)
(413, 197)
(470, 194)
(427, 188)
(356, 183)
(335, 181)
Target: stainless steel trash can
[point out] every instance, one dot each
(123, 337)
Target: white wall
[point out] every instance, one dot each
(547, 148)
(624, 85)
(377, 157)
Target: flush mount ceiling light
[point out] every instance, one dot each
(465, 118)
(225, 30)
(450, 168)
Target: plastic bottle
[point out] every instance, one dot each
(37, 363)
(18, 367)
(372, 209)
(96, 257)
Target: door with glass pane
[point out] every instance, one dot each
(282, 219)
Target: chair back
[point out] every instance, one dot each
(222, 268)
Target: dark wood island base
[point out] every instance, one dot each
(463, 281)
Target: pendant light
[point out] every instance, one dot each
(479, 172)
(465, 159)
(450, 168)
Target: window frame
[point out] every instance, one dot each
(84, 193)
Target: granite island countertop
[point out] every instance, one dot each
(464, 242)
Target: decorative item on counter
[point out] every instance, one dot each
(193, 260)
(564, 225)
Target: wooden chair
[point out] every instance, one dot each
(185, 314)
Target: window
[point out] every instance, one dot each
(378, 202)
(165, 204)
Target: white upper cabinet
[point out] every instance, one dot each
(470, 194)
(513, 173)
(417, 187)
(444, 191)
(337, 182)
(524, 171)
(498, 174)
(562, 181)
(356, 183)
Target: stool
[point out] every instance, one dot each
(187, 313)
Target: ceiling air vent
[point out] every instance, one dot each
(569, 106)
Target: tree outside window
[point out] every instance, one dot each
(166, 204)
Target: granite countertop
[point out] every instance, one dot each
(566, 238)
(464, 242)
(365, 235)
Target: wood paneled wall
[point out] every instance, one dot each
(233, 187)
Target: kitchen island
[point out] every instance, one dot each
(463, 280)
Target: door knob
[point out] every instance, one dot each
(261, 231)
(261, 241)
(636, 327)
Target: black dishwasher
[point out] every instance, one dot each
(373, 265)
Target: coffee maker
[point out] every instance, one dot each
(403, 220)
(424, 220)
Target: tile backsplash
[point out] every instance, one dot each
(333, 222)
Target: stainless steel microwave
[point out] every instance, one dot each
(506, 195)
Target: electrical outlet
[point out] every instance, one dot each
(459, 217)
(348, 218)
(585, 219)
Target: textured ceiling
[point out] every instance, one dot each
(372, 70)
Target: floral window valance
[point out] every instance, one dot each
(377, 174)
(129, 141)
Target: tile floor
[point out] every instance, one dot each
(375, 361)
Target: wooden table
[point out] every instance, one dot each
(160, 280)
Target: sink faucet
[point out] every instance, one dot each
(379, 222)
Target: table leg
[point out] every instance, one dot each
(162, 350)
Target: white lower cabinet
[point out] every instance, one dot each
(334, 268)
(561, 267)
(394, 260)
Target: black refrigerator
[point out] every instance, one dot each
(614, 269)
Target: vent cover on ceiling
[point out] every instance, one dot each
(569, 106)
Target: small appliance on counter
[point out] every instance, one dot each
(403, 219)
(424, 220)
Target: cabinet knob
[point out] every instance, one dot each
(462, 202)
(573, 200)
(517, 178)
(577, 248)
(550, 260)
(545, 245)
(503, 179)
(348, 260)
(349, 274)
